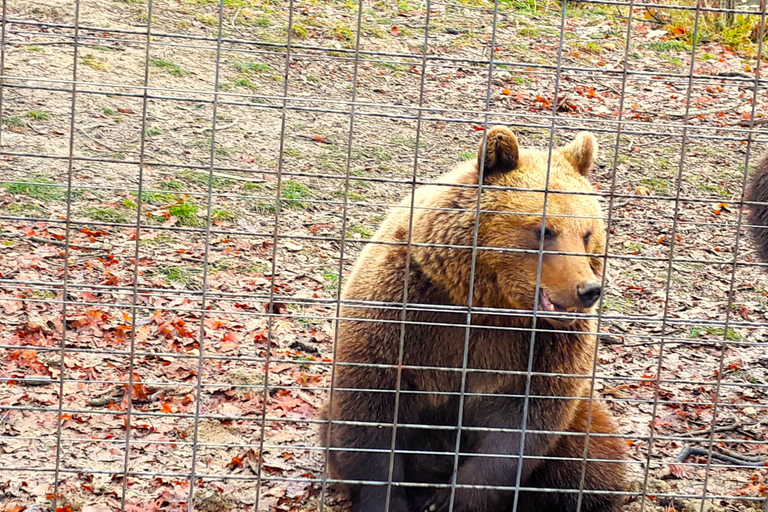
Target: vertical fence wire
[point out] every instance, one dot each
(672, 245)
(67, 251)
(340, 268)
(725, 345)
(136, 257)
(275, 240)
(606, 261)
(473, 263)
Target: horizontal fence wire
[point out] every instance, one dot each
(187, 186)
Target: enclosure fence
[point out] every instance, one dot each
(186, 185)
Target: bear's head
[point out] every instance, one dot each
(512, 228)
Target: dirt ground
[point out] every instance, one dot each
(254, 292)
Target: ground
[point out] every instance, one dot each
(254, 291)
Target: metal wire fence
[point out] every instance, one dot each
(186, 186)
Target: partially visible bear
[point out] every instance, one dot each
(432, 344)
(758, 192)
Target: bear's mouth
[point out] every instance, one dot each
(546, 304)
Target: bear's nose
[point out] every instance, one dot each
(589, 293)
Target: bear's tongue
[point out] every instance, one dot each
(545, 304)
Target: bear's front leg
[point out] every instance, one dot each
(490, 471)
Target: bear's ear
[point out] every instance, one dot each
(501, 153)
(581, 152)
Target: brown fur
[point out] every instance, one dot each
(436, 340)
(758, 192)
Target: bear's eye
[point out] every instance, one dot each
(548, 234)
(587, 238)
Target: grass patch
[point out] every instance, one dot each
(700, 332)
(40, 188)
(715, 189)
(359, 229)
(619, 304)
(247, 67)
(245, 82)
(168, 66)
(207, 19)
(38, 115)
(181, 275)
(294, 192)
(671, 45)
(186, 213)
(106, 215)
(658, 185)
(13, 121)
(171, 185)
(223, 215)
(159, 198)
(201, 178)
(467, 155)
(94, 62)
(153, 132)
(735, 31)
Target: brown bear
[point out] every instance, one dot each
(758, 217)
(412, 358)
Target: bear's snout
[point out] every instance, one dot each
(589, 293)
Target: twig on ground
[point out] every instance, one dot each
(734, 458)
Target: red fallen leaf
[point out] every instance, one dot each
(413, 69)
(57, 133)
(543, 101)
(125, 111)
(395, 31)
(236, 462)
(140, 391)
(506, 92)
(591, 93)
(678, 471)
(318, 138)
(746, 115)
(165, 407)
(231, 336)
(478, 128)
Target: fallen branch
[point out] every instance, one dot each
(97, 141)
(734, 458)
(218, 128)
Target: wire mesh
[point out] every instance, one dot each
(187, 185)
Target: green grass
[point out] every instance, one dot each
(171, 185)
(152, 132)
(715, 189)
(671, 45)
(245, 66)
(181, 275)
(38, 115)
(94, 62)
(467, 155)
(201, 178)
(168, 66)
(294, 192)
(719, 332)
(207, 19)
(38, 188)
(245, 82)
(159, 198)
(13, 121)
(108, 111)
(619, 304)
(106, 215)
(359, 229)
(186, 213)
(223, 215)
(658, 185)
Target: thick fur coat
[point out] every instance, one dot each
(425, 354)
